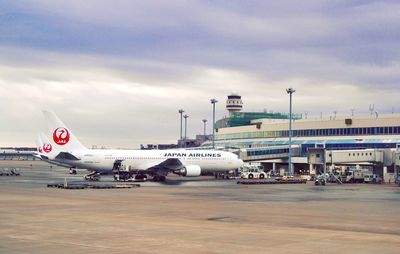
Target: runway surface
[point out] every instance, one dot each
(194, 215)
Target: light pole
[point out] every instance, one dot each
(180, 140)
(186, 117)
(213, 101)
(205, 122)
(290, 91)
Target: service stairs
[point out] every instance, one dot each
(337, 179)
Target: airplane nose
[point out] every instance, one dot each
(239, 163)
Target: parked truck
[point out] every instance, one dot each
(353, 176)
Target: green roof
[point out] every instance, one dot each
(244, 118)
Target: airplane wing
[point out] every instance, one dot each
(163, 168)
(66, 156)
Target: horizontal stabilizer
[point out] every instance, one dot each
(44, 157)
(36, 155)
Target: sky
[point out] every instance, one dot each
(116, 72)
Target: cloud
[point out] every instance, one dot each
(118, 71)
(100, 101)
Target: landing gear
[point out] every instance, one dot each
(158, 178)
(93, 176)
(141, 177)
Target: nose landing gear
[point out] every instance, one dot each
(158, 178)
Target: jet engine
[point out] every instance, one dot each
(191, 170)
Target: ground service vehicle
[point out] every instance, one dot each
(252, 172)
(320, 180)
(353, 176)
(368, 177)
(4, 171)
(15, 171)
(376, 179)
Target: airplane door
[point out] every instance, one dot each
(117, 165)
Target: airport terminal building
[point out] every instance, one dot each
(369, 141)
(21, 153)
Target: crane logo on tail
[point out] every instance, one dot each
(40, 150)
(61, 136)
(47, 148)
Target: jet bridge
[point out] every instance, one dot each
(268, 153)
(354, 156)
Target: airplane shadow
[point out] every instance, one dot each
(169, 182)
(179, 181)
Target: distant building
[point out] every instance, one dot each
(184, 143)
(158, 146)
(17, 153)
(203, 138)
(200, 139)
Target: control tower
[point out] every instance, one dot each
(236, 117)
(234, 103)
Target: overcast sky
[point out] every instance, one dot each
(116, 72)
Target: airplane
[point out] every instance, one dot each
(67, 150)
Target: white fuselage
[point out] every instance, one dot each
(207, 160)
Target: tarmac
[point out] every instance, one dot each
(193, 215)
